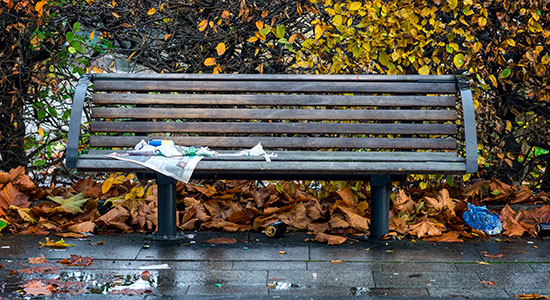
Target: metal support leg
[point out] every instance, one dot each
(380, 202)
(166, 213)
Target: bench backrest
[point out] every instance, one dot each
(311, 112)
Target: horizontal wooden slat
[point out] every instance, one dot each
(285, 142)
(292, 100)
(282, 170)
(280, 128)
(271, 77)
(273, 114)
(289, 155)
(276, 86)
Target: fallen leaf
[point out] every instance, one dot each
(447, 237)
(37, 288)
(329, 239)
(493, 255)
(146, 275)
(37, 260)
(79, 228)
(282, 252)
(426, 227)
(52, 243)
(76, 260)
(72, 205)
(336, 261)
(534, 296)
(73, 235)
(221, 241)
(40, 270)
(491, 283)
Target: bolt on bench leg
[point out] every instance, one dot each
(380, 205)
(166, 213)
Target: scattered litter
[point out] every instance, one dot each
(155, 267)
(530, 242)
(245, 248)
(257, 150)
(479, 217)
(4, 247)
(314, 275)
(218, 285)
(275, 230)
(146, 246)
(146, 275)
(190, 236)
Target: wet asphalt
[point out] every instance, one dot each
(258, 267)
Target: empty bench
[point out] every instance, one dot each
(322, 127)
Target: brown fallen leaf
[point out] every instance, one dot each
(146, 275)
(336, 261)
(492, 255)
(491, 283)
(329, 239)
(40, 270)
(76, 260)
(37, 260)
(221, 241)
(71, 235)
(38, 288)
(426, 227)
(447, 237)
(534, 296)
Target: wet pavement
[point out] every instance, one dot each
(129, 266)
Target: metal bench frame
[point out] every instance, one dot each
(380, 182)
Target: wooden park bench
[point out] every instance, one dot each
(322, 127)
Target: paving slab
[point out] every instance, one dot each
(343, 266)
(227, 290)
(501, 267)
(313, 278)
(416, 267)
(270, 265)
(467, 293)
(425, 279)
(514, 250)
(517, 280)
(119, 246)
(540, 267)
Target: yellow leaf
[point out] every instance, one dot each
(337, 20)
(354, 5)
(459, 60)
(41, 132)
(107, 184)
(259, 25)
(217, 69)
(545, 59)
(39, 7)
(92, 35)
(116, 15)
(493, 80)
(252, 39)
(220, 48)
(482, 22)
(225, 14)
(318, 31)
(52, 243)
(294, 36)
(511, 42)
(508, 126)
(131, 55)
(210, 61)
(424, 70)
(152, 11)
(167, 36)
(452, 3)
(202, 25)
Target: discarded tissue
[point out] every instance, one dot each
(479, 217)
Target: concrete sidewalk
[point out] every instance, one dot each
(285, 268)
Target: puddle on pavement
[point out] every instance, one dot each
(284, 285)
(78, 282)
(359, 291)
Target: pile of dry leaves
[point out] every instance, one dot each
(333, 211)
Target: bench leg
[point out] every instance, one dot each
(380, 205)
(166, 212)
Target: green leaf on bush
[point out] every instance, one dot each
(505, 73)
(3, 224)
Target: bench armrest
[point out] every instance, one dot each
(76, 118)
(470, 134)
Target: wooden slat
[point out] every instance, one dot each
(280, 128)
(285, 142)
(293, 100)
(259, 170)
(276, 86)
(225, 155)
(272, 77)
(273, 114)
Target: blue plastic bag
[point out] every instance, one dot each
(479, 217)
